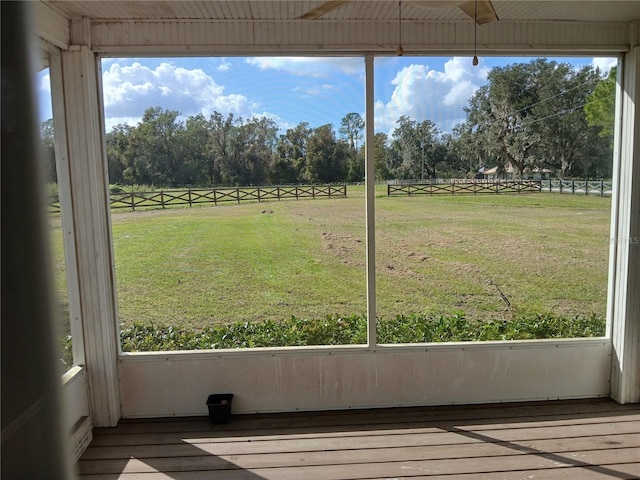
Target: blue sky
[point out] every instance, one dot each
(291, 90)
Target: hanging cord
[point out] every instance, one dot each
(400, 50)
(475, 34)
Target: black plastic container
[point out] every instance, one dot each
(220, 407)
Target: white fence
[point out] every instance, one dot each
(578, 187)
(601, 188)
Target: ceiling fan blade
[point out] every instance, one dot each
(322, 9)
(486, 13)
(434, 3)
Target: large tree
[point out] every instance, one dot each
(155, 147)
(466, 146)
(289, 162)
(381, 155)
(119, 155)
(194, 151)
(419, 147)
(256, 144)
(351, 130)
(600, 107)
(571, 146)
(326, 157)
(497, 112)
(221, 146)
(530, 115)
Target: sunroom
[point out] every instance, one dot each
(106, 385)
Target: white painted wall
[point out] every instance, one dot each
(166, 384)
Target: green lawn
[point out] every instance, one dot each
(544, 252)
(201, 266)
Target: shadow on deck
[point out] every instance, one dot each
(563, 439)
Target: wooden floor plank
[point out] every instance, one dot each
(568, 440)
(448, 440)
(210, 433)
(199, 460)
(379, 416)
(448, 434)
(615, 471)
(534, 469)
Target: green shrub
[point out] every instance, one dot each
(351, 330)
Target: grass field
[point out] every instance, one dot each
(486, 258)
(473, 254)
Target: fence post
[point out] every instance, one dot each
(573, 186)
(238, 195)
(133, 203)
(586, 187)
(190, 197)
(162, 198)
(259, 195)
(602, 188)
(215, 197)
(296, 192)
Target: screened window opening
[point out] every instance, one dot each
(494, 220)
(237, 201)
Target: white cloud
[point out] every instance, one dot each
(423, 93)
(44, 83)
(309, 66)
(312, 90)
(604, 64)
(129, 90)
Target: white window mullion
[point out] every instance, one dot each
(370, 186)
(89, 196)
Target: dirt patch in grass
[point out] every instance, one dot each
(348, 249)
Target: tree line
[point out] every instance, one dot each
(540, 114)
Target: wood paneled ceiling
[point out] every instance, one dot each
(354, 10)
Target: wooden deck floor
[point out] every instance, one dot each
(569, 440)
